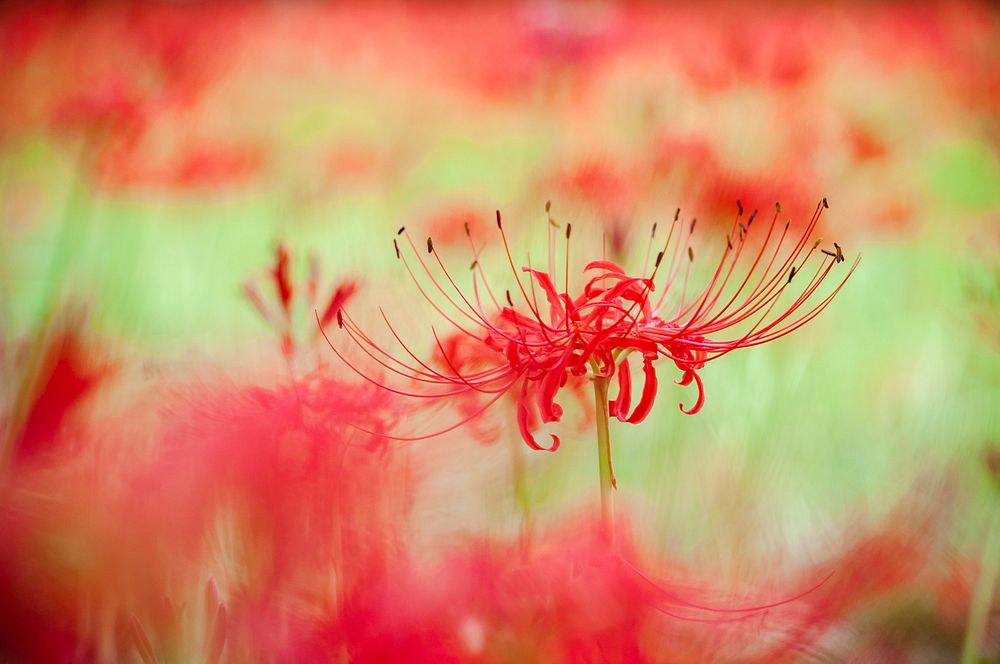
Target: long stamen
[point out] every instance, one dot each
(431, 301)
(364, 343)
(451, 365)
(448, 429)
(756, 337)
(768, 285)
(366, 377)
(719, 313)
(429, 376)
(734, 260)
(674, 263)
(569, 230)
(517, 278)
(477, 265)
(649, 249)
(430, 249)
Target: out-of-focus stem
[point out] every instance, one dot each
(68, 241)
(519, 485)
(604, 453)
(982, 597)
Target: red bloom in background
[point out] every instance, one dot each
(318, 504)
(110, 114)
(565, 597)
(196, 167)
(571, 33)
(278, 312)
(447, 225)
(58, 374)
(704, 175)
(551, 336)
(603, 185)
(108, 542)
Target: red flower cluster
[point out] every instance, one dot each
(538, 346)
(564, 597)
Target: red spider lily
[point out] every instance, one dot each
(537, 347)
(705, 176)
(317, 505)
(350, 163)
(446, 224)
(214, 165)
(200, 166)
(109, 527)
(58, 377)
(23, 27)
(571, 33)
(111, 108)
(603, 185)
(564, 597)
(285, 291)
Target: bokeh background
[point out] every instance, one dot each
(154, 155)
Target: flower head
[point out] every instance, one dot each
(539, 337)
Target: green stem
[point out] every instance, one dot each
(979, 611)
(518, 480)
(604, 453)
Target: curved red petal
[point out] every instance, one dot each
(619, 407)
(548, 387)
(522, 424)
(648, 392)
(282, 283)
(611, 266)
(701, 392)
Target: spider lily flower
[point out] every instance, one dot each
(541, 336)
(651, 609)
(279, 313)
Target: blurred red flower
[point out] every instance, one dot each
(279, 311)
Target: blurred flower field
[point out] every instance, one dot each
(198, 207)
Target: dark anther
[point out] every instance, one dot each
(840, 253)
(396, 244)
(548, 206)
(791, 275)
(743, 229)
(677, 215)
(753, 215)
(569, 229)
(777, 208)
(729, 243)
(652, 233)
(693, 222)
(659, 257)
(690, 254)
(401, 229)
(498, 220)
(430, 246)
(474, 264)
(739, 207)
(509, 301)
(340, 319)
(825, 204)
(467, 229)
(829, 253)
